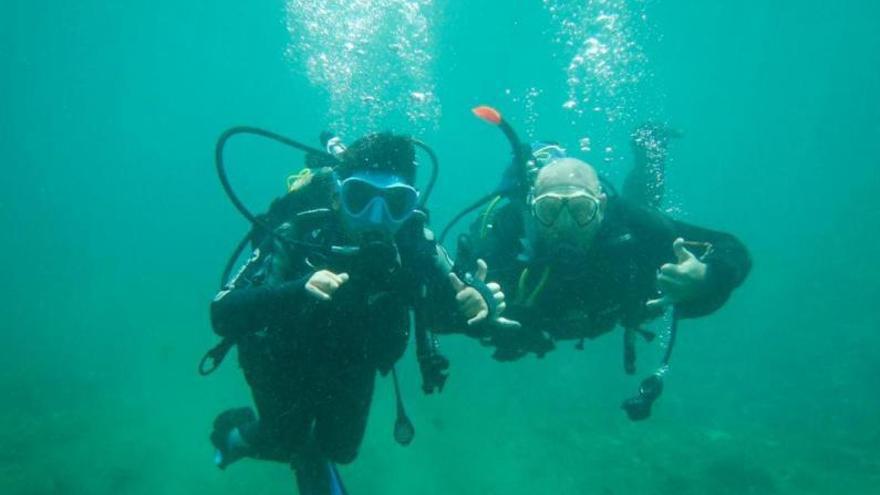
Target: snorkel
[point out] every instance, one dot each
(515, 181)
(521, 153)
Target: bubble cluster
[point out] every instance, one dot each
(528, 101)
(605, 62)
(374, 59)
(531, 120)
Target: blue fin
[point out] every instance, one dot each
(336, 486)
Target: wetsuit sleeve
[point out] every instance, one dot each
(727, 265)
(247, 303)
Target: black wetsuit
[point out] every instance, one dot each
(584, 295)
(311, 365)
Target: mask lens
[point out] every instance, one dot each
(547, 209)
(357, 194)
(400, 200)
(582, 209)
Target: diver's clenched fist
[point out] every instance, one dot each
(323, 283)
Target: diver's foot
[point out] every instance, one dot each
(227, 438)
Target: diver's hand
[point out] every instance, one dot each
(323, 283)
(472, 304)
(682, 281)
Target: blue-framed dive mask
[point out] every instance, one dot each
(377, 202)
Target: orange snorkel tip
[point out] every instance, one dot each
(488, 114)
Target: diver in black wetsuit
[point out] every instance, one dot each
(576, 262)
(324, 305)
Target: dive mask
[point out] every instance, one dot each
(582, 207)
(376, 202)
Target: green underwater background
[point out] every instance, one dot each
(115, 231)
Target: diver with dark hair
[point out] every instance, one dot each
(577, 260)
(324, 303)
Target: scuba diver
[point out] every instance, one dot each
(577, 260)
(324, 303)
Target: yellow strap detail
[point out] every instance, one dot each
(521, 287)
(544, 276)
(299, 179)
(484, 225)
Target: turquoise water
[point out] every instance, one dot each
(116, 231)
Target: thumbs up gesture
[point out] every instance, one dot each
(681, 281)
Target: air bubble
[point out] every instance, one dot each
(584, 144)
(419, 97)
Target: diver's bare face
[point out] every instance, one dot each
(567, 206)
